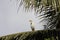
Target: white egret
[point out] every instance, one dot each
(32, 25)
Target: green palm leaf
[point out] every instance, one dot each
(51, 9)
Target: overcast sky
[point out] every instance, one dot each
(11, 22)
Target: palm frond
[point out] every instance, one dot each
(49, 9)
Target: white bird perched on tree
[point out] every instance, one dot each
(32, 25)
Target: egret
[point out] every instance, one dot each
(32, 25)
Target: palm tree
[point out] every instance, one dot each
(51, 9)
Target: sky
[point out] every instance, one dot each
(13, 22)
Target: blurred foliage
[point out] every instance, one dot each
(34, 35)
(51, 9)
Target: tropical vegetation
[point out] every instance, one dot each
(36, 35)
(47, 9)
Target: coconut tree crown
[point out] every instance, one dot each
(51, 9)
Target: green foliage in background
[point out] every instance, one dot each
(51, 9)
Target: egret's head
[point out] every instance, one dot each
(30, 20)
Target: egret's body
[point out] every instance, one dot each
(32, 25)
